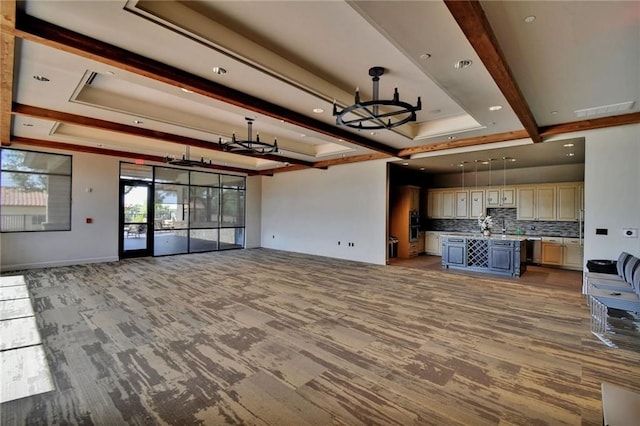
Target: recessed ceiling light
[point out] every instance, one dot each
(340, 140)
(425, 56)
(41, 78)
(571, 154)
(529, 19)
(100, 145)
(185, 90)
(138, 121)
(554, 112)
(485, 162)
(435, 111)
(495, 108)
(451, 138)
(219, 70)
(513, 159)
(302, 135)
(567, 145)
(318, 110)
(110, 73)
(421, 168)
(27, 124)
(462, 64)
(405, 164)
(374, 133)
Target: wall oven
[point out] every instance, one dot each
(414, 225)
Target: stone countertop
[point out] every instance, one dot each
(491, 237)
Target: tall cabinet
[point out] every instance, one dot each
(405, 199)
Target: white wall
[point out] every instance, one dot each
(612, 190)
(253, 228)
(309, 211)
(98, 241)
(85, 243)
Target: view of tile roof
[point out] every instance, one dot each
(11, 196)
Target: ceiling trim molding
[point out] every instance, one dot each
(479, 140)
(115, 153)
(7, 58)
(475, 26)
(95, 123)
(595, 123)
(37, 30)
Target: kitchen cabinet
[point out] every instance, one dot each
(484, 254)
(536, 203)
(501, 256)
(454, 252)
(501, 197)
(441, 204)
(565, 252)
(404, 200)
(573, 253)
(448, 205)
(569, 202)
(420, 243)
(462, 204)
(552, 252)
(433, 244)
(476, 198)
(434, 204)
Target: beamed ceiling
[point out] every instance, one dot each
(136, 79)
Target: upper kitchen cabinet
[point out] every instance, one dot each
(476, 198)
(462, 204)
(441, 204)
(569, 201)
(536, 203)
(501, 197)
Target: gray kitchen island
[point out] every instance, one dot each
(503, 255)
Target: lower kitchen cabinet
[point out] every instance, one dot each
(565, 252)
(454, 252)
(433, 244)
(573, 254)
(501, 256)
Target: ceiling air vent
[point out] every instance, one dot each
(606, 109)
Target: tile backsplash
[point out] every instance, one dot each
(528, 227)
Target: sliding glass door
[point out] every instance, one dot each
(192, 211)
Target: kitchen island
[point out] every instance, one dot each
(503, 255)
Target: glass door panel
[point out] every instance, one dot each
(136, 229)
(171, 212)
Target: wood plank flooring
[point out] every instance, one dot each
(268, 337)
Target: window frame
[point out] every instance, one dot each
(39, 173)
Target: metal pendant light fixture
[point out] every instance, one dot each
(249, 146)
(367, 115)
(186, 160)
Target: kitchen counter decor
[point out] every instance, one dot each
(485, 224)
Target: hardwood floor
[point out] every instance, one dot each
(269, 337)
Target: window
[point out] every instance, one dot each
(36, 191)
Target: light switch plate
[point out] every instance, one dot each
(630, 232)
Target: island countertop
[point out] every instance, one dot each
(490, 237)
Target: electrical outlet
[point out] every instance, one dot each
(630, 232)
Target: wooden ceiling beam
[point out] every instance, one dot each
(479, 140)
(7, 58)
(63, 117)
(475, 26)
(37, 30)
(594, 123)
(39, 143)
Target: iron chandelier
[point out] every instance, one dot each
(367, 115)
(186, 160)
(249, 146)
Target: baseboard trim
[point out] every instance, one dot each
(56, 263)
